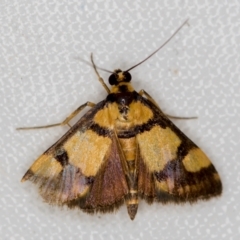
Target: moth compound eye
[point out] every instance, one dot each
(127, 76)
(113, 79)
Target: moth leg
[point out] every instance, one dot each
(143, 92)
(66, 121)
(176, 117)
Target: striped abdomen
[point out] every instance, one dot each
(128, 146)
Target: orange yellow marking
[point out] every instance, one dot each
(138, 113)
(87, 151)
(133, 191)
(110, 116)
(132, 201)
(195, 160)
(163, 186)
(216, 177)
(158, 146)
(107, 116)
(129, 147)
(46, 166)
(115, 89)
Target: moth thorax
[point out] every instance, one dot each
(123, 126)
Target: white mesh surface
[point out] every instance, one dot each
(41, 82)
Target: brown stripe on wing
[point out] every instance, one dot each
(146, 184)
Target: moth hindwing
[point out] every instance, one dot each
(122, 150)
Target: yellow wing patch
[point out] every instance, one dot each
(164, 186)
(157, 147)
(87, 151)
(195, 160)
(46, 166)
(107, 116)
(139, 114)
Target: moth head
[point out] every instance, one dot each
(119, 76)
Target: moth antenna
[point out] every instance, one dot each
(90, 64)
(99, 77)
(185, 22)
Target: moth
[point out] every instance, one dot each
(122, 150)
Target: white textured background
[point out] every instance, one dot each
(41, 82)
